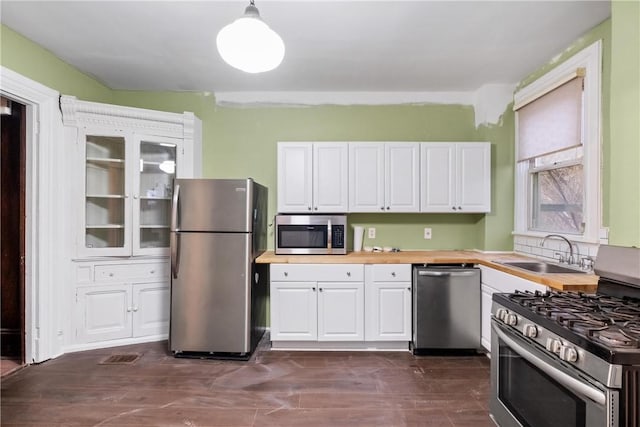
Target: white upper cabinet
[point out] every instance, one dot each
(455, 177)
(127, 160)
(384, 177)
(312, 177)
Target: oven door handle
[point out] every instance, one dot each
(566, 380)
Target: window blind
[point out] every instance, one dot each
(552, 122)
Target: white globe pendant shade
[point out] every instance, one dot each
(248, 44)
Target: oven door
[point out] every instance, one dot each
(532, 388)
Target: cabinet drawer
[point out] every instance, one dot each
(317, 272)
(507, 283)
(120, 272)
(391, 272)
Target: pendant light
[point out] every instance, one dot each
(248, 44)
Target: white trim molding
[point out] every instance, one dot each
(590, 58)
(45, 255)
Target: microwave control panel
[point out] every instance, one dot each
(337, 236)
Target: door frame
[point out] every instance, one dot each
(45, 242)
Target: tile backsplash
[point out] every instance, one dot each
(530, 245)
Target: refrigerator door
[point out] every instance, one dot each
(211, 293)
(219, 205)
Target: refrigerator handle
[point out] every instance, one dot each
(174, 232)
(174, 209)
(175, 253)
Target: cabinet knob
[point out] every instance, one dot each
(309, 208)
(459, 208)
(152, 272)
(408, 289)
(387, 207)
(135, 308)
(454, 208)
(313, 289)
(348, 274)
(135, 197)
(128, 309)
(316, 208)
(110, 274)
(320, 289)
(381, 208)
(393, 273)
(286, 274)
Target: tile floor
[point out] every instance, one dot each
(274, 388)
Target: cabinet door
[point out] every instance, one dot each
(366, 177)
(402, 177)
(330, 177)
(340, 311)
(487, 293)
(154, 170)
(294, 311)
(437, 174)
(150, 309)
(388, 311)
(473, 166)
(106, 205)
(104, 312)
(295, 177)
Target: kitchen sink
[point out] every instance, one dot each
(540, 267)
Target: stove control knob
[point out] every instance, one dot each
(553, 345)
(530, 330)
(511, 319)
(501, 313)
(568, 354)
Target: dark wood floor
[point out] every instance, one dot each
(274, 388)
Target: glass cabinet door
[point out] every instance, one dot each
(157, 169)
(105, 192)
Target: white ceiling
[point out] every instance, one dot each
(331, 45)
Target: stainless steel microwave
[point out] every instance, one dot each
(311, 234)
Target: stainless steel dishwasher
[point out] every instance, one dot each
(446, 307)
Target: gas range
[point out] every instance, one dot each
(606, 326)
(578, 348)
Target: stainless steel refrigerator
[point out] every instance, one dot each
(218, 292)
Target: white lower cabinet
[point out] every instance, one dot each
(340, 311)
(340, 303)
(119, 304)
(388, 302)
(119, 311)
(317, 302)
(294, 314)
(497, 281)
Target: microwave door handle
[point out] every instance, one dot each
(329, 234)
(566, 380)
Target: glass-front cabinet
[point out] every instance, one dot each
(128, 187)
(152, 203)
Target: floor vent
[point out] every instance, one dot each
(121, 359)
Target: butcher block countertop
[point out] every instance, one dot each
(562, 282)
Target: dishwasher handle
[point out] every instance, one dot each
(437, 273)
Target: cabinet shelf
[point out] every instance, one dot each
(104, 226)
(154, 198)
(105, 196)
(105, 160)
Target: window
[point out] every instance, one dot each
(558, 151)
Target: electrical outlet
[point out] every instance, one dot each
(427, 233)
(372, 233)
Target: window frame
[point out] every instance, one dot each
(590, 59)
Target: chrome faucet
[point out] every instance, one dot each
(558, 236)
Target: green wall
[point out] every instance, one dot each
(29, 59)
(623, 180)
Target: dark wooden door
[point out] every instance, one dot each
(12, 226)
